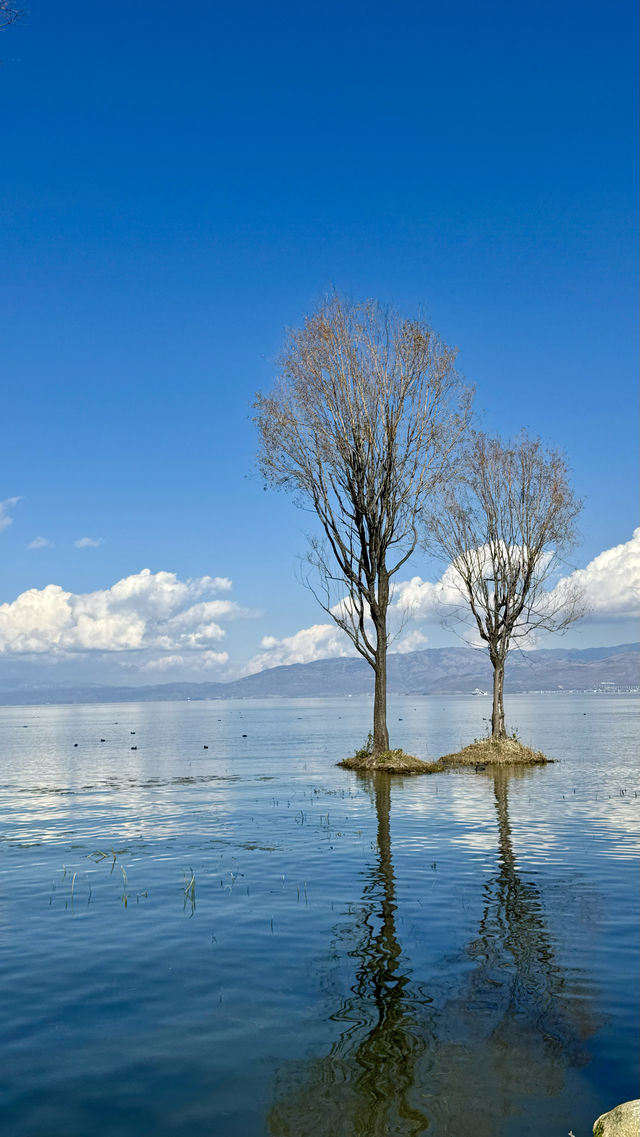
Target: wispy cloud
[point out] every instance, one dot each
(40, 543)
(5, 519)
(205, 661)
(88, 542)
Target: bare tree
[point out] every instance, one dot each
(504, 527)
(361, 426)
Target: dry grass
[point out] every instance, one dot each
(495, 752)
(389, 762)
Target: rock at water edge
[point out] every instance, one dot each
(623, 1121)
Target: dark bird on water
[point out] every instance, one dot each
(205, 747)
(134, 747)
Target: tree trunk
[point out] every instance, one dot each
(380, 732)
(497, 714)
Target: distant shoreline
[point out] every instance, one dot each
(105, 702)
(431, 672)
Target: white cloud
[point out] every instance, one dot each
(206, 661)
(419, 599)
(88, 542)
(40, 543)
(321, 641)
(411, 641)
(5, 506)
(611, 582)
(148, 618)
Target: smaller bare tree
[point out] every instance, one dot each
(504, 528)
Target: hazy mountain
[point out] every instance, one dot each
(455, 670)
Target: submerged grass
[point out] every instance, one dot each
(190, 892)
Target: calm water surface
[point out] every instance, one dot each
(245, 940)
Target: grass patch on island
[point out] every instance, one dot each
(495, 752)
(389, 762)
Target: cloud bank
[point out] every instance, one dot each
(611, 584)
(156, 627)
(152, 621)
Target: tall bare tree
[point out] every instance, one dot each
(504, 527)
(361, 425)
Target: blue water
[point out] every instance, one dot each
(247, 940)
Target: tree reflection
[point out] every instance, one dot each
(453, 1064)
(517, 1022)
(363, 1087)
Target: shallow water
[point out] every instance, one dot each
(247, 940)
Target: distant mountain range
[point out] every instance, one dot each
(435, 671)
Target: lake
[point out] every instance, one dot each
(246, 940)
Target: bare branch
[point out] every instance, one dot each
(9, 14)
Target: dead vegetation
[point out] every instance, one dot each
(495, 752)
(389, 762)
(481, 753)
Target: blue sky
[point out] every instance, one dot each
(179, 185)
